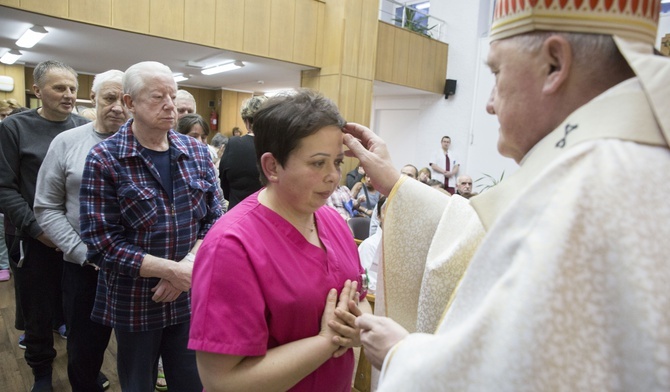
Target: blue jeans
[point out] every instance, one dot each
(137, 359)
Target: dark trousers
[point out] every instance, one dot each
(137, 359)
(14, 256)
(38, 282)
(86, 340)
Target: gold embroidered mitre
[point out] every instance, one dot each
(633, 19)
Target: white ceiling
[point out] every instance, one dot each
(91, 49)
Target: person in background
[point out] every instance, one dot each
(366, 197)
(566, 282)
(57, 212)
(184, 103)
(148, 196)
(14, 255)
(237, 170)
(339, 200)
(194, 126)
(236, 131)
(464, 187)
(355, 176)
(24, 141)
(218, 143)
(369, 250)
(424, 175)
(89, 113)
(410, 171)
(287, 336)
(6, 107)
(445, 165)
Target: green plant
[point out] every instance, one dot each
(417, 24)
(488, 181)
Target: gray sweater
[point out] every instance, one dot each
(57, 196)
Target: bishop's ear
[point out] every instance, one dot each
(557, 53)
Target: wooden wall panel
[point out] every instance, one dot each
(384, 66)
(91, 11)
(257, 26)
(329, 85)
(229, 29)
(310, 79)
(426, 78)
(229, 116)
(415, 63)
(85, 84)
(305, 32)
(346, 100)
(166, 18)
(321, 33)
(363, 102)
(228, 112)
(400, 56)
(200, 21)
(367, 53)
(10, 3)
(351, 37)
(16, 72)
(131, 15)
(282, 28)
(56, 8)
(333, 24)
(409, 59)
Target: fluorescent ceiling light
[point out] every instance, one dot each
(10, 57)
(180, 77)
(32, 36)
(285, 91)
(222, 68)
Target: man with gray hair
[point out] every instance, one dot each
(184, 103)
(57, 212)
(148, 197)
(24, 141)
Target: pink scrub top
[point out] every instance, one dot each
(258, 284)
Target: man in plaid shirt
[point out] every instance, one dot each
(148, 197)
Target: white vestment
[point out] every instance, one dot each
(567, 288)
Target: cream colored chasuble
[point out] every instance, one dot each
(568, 289)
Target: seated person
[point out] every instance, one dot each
(439, 185)
(464, 187)
(355, 176)
(369, 249)
(424, 175)
(366, 197)
(339, 201)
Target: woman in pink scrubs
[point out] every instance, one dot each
(264, 277)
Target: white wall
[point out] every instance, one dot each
(412, 126)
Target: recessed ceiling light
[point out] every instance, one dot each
(32, 36)
(10, 57)
(222, 68)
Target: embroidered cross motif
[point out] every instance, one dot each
(568, 128)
